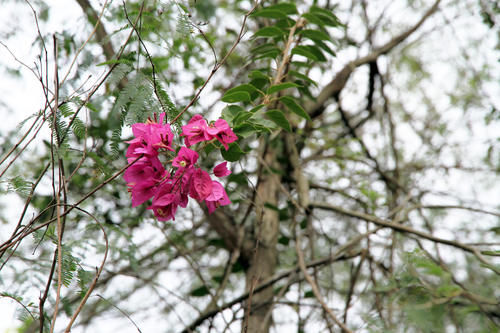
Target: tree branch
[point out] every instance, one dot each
(404, 229)
(335, 86)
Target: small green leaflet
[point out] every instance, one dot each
(310, 52)
(325, 47)
(326, 16)
(266, 50)
(286, 7)
(244, 130)
(243, 87)
(238, 96)
(281, 86)
(234, 152)
(314, 34)
(231, 111)
(257, 108)
(199, 292)
(269, 32)
(256, 74)
(241, 117)
(294, 107)
(278, 117)
(313, 19)
(302, 76)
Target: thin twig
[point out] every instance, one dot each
(314, 286)
(98, 273)
(219, 64)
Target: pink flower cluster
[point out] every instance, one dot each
(147, 178)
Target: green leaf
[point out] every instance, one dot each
(310, 52)
(325, 47)
(199, 292)
(293, 106)
(317, 52)
(273, 54)
(284, 240)
(314, 34)
(241, 117)
(278, 117)
(491, 253)
(244, 130)
(237, 267)
(271, 206)
(257, 108)
(302, 76)
(269, 13)
(281, 86)
(313, 19)
(286, 23)
(266, 51)
(238, 178)
(78, 128)
(239, 96)
(234, 152)
(269, 32)
(304, 51)
(231, 111)
(286, 7)
(256, 74)
(325, 15)
(243, 87)
(264, 48)
(308, 294)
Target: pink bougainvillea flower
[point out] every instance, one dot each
(143, 191)
(143, 177)
(161, 136)
(195, 131)
(149, 137)
(144, 169)
(222, 132)
(200, 185)
(147, 178)
(165, 202)
(218, 197)
(140, 146)
(185, 158)
(182, 179)
(221, 170)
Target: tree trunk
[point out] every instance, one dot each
(263, 262)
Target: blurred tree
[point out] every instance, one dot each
(364, 182)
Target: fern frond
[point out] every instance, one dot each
(119, 73)
(184, 26)
(69, 265)
(115, 142)
(19, 186)
(66, 109)
(78, 128)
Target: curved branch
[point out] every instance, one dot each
(335, 86)
(404, 229)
